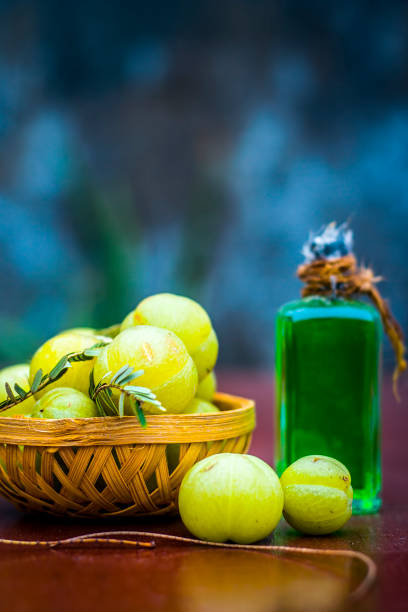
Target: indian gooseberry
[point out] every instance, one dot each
(200, 406)
(318, 494)
(231, 497)
(64, 403)
(12, 375)
(207, 387)
(168, 369)
(205, 356)
(187, 319)
(48, 355)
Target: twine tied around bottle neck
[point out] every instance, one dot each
(343, 277)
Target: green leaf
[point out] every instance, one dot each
(109, 399)
(59, 368)
(141, 415)
(143, 390)
(108, 403)
(99, 407)
(147, 400)
(132, 406)
(123, 371)
(102, 394)
(131, 376)
(91, 353)
(138, 373)
(9, 392)
(37, 380)
(127, 379)
(20, 391)
(122, 405)
(124, 380)
(137, 411)
(91, 389)
(142, 396)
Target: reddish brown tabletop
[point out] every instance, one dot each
(187, 578)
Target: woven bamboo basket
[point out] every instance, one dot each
(112, 466)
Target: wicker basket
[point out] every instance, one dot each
(112, 466)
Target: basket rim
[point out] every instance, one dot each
(236, 417)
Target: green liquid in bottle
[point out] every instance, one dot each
(327, 389)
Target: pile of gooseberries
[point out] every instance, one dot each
(169, 344)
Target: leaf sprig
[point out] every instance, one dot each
(41, 380)
(102, 394)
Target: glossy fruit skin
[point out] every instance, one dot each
(184, 317)
(168, 368)
(200, 406)
(207, 387)
(48, 355)
(64, 403)
(318, 494)
(231, 497)
(205, 357)
(16, 374)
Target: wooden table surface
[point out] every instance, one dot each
(189, 578)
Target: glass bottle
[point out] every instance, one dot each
(327, 389)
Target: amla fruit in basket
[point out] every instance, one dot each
(207, 387)
(48, 355)
(231, 497)
(168, 369)
(16, 374)
(200, 406)
(318, 494)
(187, 319)
(64, 403)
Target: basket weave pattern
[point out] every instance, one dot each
(112, 466)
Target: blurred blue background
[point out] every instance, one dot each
(190, 147)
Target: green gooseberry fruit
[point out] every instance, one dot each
(168, 369)
(231, 497)
(200, 406)
(318, 494)
(184, 317)
(64, 403)
(12, 375)
(207, 387)
(48, 355)
(205, 356)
